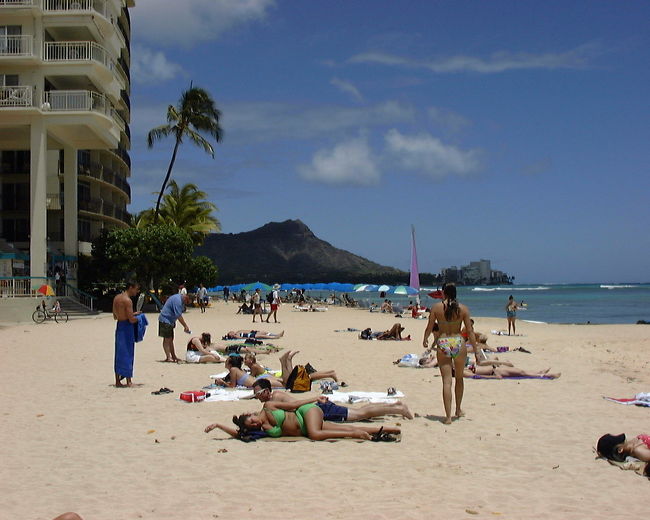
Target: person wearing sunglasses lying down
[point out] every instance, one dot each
(256, 334)
(299, 418)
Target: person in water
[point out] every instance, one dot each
(451, 351)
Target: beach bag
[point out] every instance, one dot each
(298, 380)
(269, 297)
(193, 396)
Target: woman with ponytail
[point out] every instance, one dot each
(451, 351)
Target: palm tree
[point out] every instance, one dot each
(184, 207)
(194, 114)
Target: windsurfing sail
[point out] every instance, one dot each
(414, 280)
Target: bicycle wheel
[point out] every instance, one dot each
(39, 316)
(61, 317)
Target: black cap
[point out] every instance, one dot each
(607, 446)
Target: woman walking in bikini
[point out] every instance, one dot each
(450, 345)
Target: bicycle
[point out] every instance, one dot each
(40, 315)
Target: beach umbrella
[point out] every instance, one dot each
(45, 290)
(257, 285)
(357, 286)
(383, 288)
(320, 287)
(287, 286)
(367, 288)
(403, 289)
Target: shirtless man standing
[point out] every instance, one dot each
(125, 334)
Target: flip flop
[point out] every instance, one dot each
(343, 384)
(166, 390)
(376, 437)
(391, 391)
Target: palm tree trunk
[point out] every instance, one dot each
(164, 185)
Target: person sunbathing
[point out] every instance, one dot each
(255, 369)
(247, 349)
(299, 418)
(618, 447)
(263, 391)
(238, 377)
(394, 333)
(491, 368)
(387, 306)
(198, 350)
(257, 334)
(286, 365)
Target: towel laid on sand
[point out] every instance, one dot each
(641, 399)
(228, 394)
(475, 376)
(362, 397)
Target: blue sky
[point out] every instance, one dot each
(516, 131)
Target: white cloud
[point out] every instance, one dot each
(350, 162)
(448, 119)
(150, 66)
(271, 121)
(430, 156)
(177, 22)
(347, 87)
(495, 63)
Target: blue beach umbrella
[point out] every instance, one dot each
(287, 286)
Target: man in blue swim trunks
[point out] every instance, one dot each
(263, 391)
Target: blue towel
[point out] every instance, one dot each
(140, 327)
(124, 348)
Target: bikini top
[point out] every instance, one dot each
(190, 345)
(241, 380)
(279, 416)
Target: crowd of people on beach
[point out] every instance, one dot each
(453, 340)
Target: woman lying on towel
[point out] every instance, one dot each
(618, 447)
(491, 369)
(237, 377)
(394, 333)
(257, 334)
(198, 350)
(299, 418)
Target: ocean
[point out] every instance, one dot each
(580, 303)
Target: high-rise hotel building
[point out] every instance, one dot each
(64, 125)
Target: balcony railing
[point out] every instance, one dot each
(77, 51)
(97, 6)
(18, 3)
(102, 173)
(21, 45)
(53, 201)
(102, 207)
(18, 96)
(80, 101)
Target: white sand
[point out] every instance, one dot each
(73, 442)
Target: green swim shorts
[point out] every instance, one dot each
(165, 330)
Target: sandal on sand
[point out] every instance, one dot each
(376, 437)
(163, 390)
(522, 349)
(391, 391)
(343, 384)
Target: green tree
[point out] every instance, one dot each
(152, 253)
(202, 270)
(186, 208)
(195, 114)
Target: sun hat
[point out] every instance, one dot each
(607, 446)
(276, 286)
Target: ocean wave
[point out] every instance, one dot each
(618, 286)
(510, 289)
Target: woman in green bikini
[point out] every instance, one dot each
(300, 418)
(450, 345)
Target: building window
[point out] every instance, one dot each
(15, 196)
(15, 229)
(83, 228)
(14, 161)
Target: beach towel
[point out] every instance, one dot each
(228, 394)
(504, 333)
(641, 399)
(140, 327)
(363, 397)
(476, 376)
(124, 348)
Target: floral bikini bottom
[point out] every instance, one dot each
(450, 346)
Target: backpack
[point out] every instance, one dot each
(269, 297)
(298, 380)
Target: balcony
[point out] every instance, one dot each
(104, 174)
(75, 6)
(105, 209)
(22, 45)
(18, 3)
(53, 201)
(80, 101)
(18, 96)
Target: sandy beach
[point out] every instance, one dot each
(73, 442)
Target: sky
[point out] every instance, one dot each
(515, 131)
